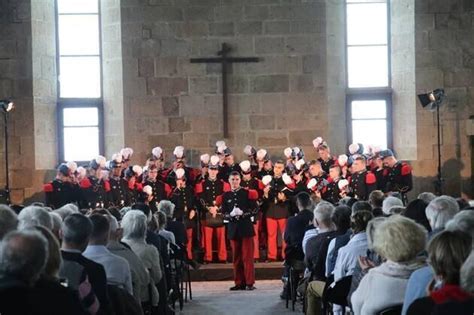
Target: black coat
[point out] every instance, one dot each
(294, 232)
(59, 193)
(118, 194)
(242, 226)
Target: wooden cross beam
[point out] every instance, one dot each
(225, 61)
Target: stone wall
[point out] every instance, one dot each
(277, 102)
(445, 58)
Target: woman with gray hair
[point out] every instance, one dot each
(439, 211)
(34, 215)
(167, 207)
(389, 204)
(162, 220)
(8, 220)
(134, 225)
(463, 221)
(399, 241)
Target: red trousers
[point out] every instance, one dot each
(221, 249)
(242, 252)
(203, 240)
(273, 226)
(256, 245)
(189, 244)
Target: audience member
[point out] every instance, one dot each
(162, 222)
(390, 202)
(427, 197)
(296, 227)
(376, 198)
(447, 251)
(34, 215)
(399, 241)
(342, 219)
(8, 220)
(116, 268)
(361, 206)
(416, 211)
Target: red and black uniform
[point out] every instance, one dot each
(264, 172)
(362, 184)
(94, 192)
(399, 178)
(185, 201)
(326, 165)
(240, 232)
(59, 193)
(207, 192)
(118, 194)
(257, 185)
(381, 175)
(277, 212)
(160, 191)
(332, 192)
(189, 173)
(133, 191)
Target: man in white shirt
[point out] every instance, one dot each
(116, 268)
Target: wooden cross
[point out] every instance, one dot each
(225, 61)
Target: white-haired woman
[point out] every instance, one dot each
(399, 240)
(134, 225)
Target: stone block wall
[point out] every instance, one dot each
(445, 58)
(277, 102)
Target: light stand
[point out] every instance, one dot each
(433, 100)
(6, 107)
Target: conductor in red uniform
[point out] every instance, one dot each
(239, 206)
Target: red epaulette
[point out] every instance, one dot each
(261, 186)
(198, 188)
(385, 171)
(226, 187)
(219, 200)
(370, 178)
(139, 186)
(48, 188)
(406, 169)
(107, 186)
(292, 185)
(85, 183)
(330, 180)
(253, 194)
(168, 190)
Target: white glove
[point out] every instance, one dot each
(233, 213)
(238, 211)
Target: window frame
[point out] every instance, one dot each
(63, 102)
(369, 93)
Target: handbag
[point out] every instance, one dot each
(216, 221)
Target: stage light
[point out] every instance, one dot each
(433, 99)
(7, 105)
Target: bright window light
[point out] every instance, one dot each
(80, 77)
(369, 109)
(78, 34)
(78, 116)
(78, 6)
(367, 66)
(81, 143)
(367, 24)
(373, 132)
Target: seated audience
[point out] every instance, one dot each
(296, 227)
(361, 206)
(415, 210)
(8, 220)
(176, 227)
(370, 260)
(116, 268)
(427, 197)
(462, 221)
(342, 219)
(345, 263)
(134, 225)
(390, 202)
(439, 211)
(162, 221)
(399, 241)
(77, 269)
(34, 215)
(376, 198)
(447, 251)
(316, 247)
(140, 276)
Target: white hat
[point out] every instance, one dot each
(179, 173)
(249, 150)
(81, 171)
(286, 179)
(214, 162)
(342, 160)
(245, 166)
(178, 152)
(261, 154)
(220, 143)
(148, 190)
(317, 142)
(312, 183)
(126, 153)
(72, 166)
(205, 159)
(266, 179)
(117, 157)
(343, 183)
(157, 152)
(287, 152)
(137, 169)
(299, 164)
